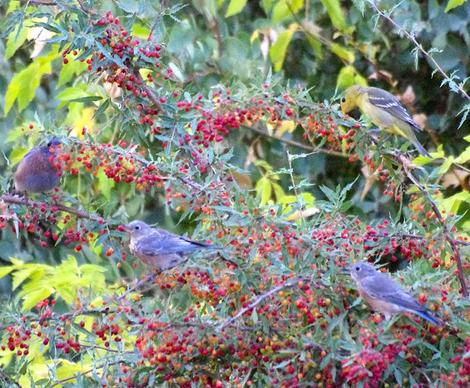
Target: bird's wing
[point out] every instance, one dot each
(383, 287)
(384, 100)
(163, 242)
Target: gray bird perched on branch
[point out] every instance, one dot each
(385, 295)
(160, 248)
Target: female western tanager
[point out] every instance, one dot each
(384, 110)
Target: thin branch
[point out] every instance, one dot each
(452, 242)
(418, 45)
(7, 379)
(297, 144)
(257, 301)
(74, 377)
(17, 200)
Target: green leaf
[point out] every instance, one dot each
(20, 275)
(283, 9)
(73, 93)
(31, 299)
(70, 71)
(140, 31)
(335, 13)
(454, 4)
(264, 190)
(235, 7)
(23, 85)
(105, 185)
(316, 46)
(14, 41)
(277, 52)
(452, 204)
(4, 271)
(464, 157)
(349, 76)
(343, 52)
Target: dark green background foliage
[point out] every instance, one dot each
(286, 200)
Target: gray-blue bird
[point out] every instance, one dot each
(160, 248)
(37, 171)
(385, 295)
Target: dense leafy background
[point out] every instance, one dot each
(241, 143)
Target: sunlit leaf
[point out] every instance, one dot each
(235, 7)
(451, 4)
(277, 52)
(335, 13)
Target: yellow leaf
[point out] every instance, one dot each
(81, 119)
(286, 126)
(254, 36)
(303, 214)
(31, 299)
(454, 4)
(264, 190)
(343, 52)
(277, 52)
(234, 7)
(349, 76)
(4, 271)
(335, 13)
(69, 369)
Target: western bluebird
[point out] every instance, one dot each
(385, 295)
(37, 171)
(160, 248)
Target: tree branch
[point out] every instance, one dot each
(257, 301)
(296, 143)
(455, 249)
(17, 200)
(418, 45)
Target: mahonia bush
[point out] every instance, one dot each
(165, 145)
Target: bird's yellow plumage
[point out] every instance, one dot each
(384, 110)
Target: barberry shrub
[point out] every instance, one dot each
(173, 114)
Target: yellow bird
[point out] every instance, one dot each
(384, 110)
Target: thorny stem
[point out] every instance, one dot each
(297, 144)
(418, 45)
(258, 300)
(18, 200)
(445, 229)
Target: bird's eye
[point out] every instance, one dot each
(358, 268)
(137, 227)
(343, 100)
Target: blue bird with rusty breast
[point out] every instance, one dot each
(38, 172)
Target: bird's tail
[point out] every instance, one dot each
(420, 148)
(429, 317)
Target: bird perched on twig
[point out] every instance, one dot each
(384, 110)
(385, 295)
(160, 248)
(38, 171)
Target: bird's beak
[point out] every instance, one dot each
(126, 228)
